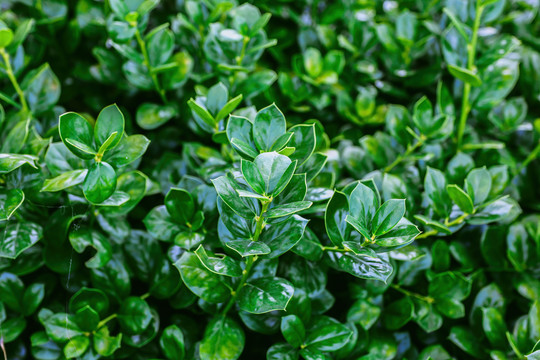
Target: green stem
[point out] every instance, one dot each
(144, 296)
(106, 320)
(532, 155)
(240, 58)
(427, 299)
(401, 157)
(250, 259)
(144, 51)
(245, 273)
(13, 79)
(454, 222)
(471, 52)
(457, 221)
(260, 221)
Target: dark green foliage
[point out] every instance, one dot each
(219, 180)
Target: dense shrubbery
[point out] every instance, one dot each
(284, 179)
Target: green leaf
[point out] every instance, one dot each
(74, 127)
(264, 295)
(276, 171)
(201, 281)
(358, 226)
(109, 121)
(172, 343)
(327, 334)
(65, 180)
(100, 182)
(10, 201)
(81, 239)
(41, 88)
(281, 351)
(287, 209)
(268, 126)
(366, 265)
(202, 112)
(239, 133)
(17, 137)
(449, 285)
(457, 23)
(81, 147)
(134, 315)
(180, 205)
(228, 108)
(253, 176)
(105, 344)
(423, 115)
(87, 318)
(10, 162)
(12, 291)
(303, 141)
(427, 317)
(160, 224)
(223, 339)
(402, 234)
(460, 198)
(313, 62)
(151, 116)
(334, 218)
(478, 185)
(494, 327)
(244, 148)
(17, 237)
(226, 189)
(293, 330)
(76, 347)
(435, 189)
(387, 216)
(363, 204)
(281, 237)
(398, 313)
(248, 247)
(466, 341)
(94, 298)
(128, 150)
(12, 329)
(32, 298)
(364, 313)
(464, 75)
(61, 327)
(223, 265)
(6, 35)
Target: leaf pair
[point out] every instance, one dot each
(106, 144)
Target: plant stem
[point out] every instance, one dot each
(260, 221)
(144, 296)
(454, 222)
(106, 320)
(401, 157)
(532, 155)
(471, 52)
(427, 299)
(13, 79)
(249, 264)
(3, 348)
(240, 58)
(250, 259)
(427, 234)
(144, 51)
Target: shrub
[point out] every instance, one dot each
(282, 180)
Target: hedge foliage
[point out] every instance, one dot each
(215, 180)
